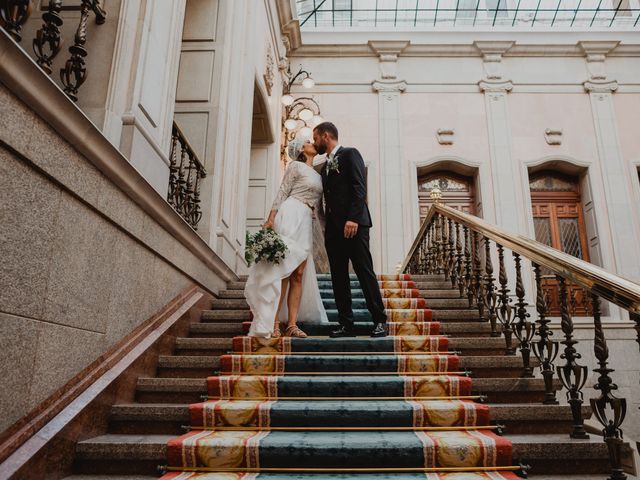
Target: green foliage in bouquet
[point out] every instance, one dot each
(265, 245)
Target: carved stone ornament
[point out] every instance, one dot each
(389, 87)
(445, 136)
(553, 136)
(268, 72)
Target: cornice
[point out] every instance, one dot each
(289, 24)
(392, 47)
(461, 50)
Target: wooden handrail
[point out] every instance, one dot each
(618, 290)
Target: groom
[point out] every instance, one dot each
(347, 229)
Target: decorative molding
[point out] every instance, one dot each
(445, 136)
(487, 86)
(553, 136)
(389, 87)
(268, 71)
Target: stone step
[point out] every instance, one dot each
(358, 303)
(169, 418)
(332, 314)
(201, 366)
(141, 454)
(225, 315)
(231, 294)
(439, 284)
(217, 329)
(303, 476)
(191, 390)
(466, 345)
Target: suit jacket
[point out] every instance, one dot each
(345, 192)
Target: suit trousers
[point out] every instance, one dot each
(340, 250)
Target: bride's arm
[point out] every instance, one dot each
(283, 193)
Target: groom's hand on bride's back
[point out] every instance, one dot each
(350, 229)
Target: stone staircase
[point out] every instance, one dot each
(136, 442)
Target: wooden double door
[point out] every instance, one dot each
(558, 221)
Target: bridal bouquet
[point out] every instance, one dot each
(266, 245)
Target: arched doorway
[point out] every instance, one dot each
(457, 191)
(558, 221)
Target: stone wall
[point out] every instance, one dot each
(82, 263)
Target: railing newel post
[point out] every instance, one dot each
(13, 15)
(477, 274)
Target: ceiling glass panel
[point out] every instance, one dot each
(465, 14)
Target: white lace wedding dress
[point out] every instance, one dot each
(300, 190)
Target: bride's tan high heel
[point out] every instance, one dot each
(276, 330)
(294, 331)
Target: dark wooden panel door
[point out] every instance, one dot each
(558, 222)
(457, 192)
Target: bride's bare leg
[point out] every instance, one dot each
(295, 293)
(283, 293)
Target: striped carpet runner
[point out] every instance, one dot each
(349, 408)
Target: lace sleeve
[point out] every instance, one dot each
(287, 184)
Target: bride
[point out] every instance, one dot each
(297, 203)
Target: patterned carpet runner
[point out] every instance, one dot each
(351, 408)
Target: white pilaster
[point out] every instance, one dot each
(396, 219)
(623, 223)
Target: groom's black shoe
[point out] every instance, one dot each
(380, 330)
(342, 332)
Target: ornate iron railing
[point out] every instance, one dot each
(462, 247)
(185, 173)
(48, 41)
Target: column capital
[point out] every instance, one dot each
(595, 86)
(388, 52)
(495, 86)
(389, 87)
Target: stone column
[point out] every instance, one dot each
(395, 211)
(614, 170)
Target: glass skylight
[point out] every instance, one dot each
(466, 14)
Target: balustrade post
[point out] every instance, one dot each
(477, 274)
(430, 248)
(573, 376)
(173, 168)
(523, 328)
(467, 266)
(611, 431)
(545, 349)
(439, 245)
(47, 43)
(445, 248)
(456, 255)
(451, 252)
(459, 260)
(490, 296)
(74, 73)
(13, 15)
(505, 311)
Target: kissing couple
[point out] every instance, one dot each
(289, 290)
